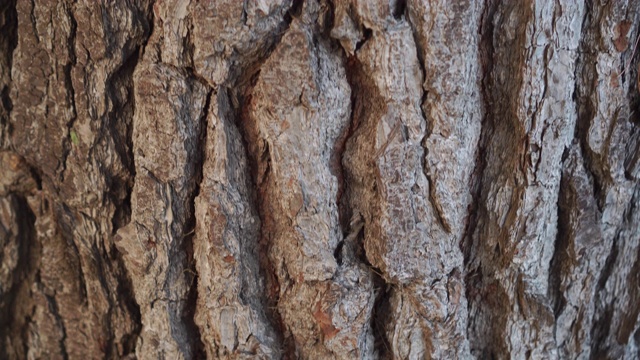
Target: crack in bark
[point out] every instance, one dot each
(602, 324)
(562, 247)
(481, 288)
(53, 308)
(121, 187)
(381, 315)
(198, 347)
(123, 112)
(25, 269)
(8, 43)
(486, 52)
(433, 198)
(399, 9)
(258, 162)
(239, 90)
(586, 112)
(68, 83)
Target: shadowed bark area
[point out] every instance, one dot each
(309, 179)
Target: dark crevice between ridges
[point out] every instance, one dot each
(125, 292)
(54, 311)
(585, 86)
(628, 322)
(603, 317)
(120, 91)
(71, 96)
(399, 9)
(381, 315)
(382, 290)
(483, 293)
(367, 34)
(486, 53)
(238, 91)
(382, 312)
(633, 93)
(114, 300)
(563, 248)
(436, 206)
(10, 323)
(258, 174)
(119, 126)
(628, 72)
(66, 226)
(345, 212)
(198, 347)
(336, 164)
(294, 11)
(604, 329)
(8, 43)
(632, 149)
(67, 221)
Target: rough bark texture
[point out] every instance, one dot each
(319, 179)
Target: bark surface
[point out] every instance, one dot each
(319, 179)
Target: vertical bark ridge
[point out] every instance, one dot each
(534, 60)
(299, 204)
(604, 129)
(365, 98)
(153, 243)
(233, 307)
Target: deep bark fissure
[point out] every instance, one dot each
(71, 138)
(487, 297)
(629, 323)
(126, 290)
(486, 53)
(585, 86)
(198, 347)
(345, 212)
(119, 125)
(361, 90)
(24, 270)
(112, 300)
(257, 179)
(121, 188)
(602, 323)
(239, 89)
(53, 308)
(563, 242)
(381, 315)
(8, 43)
(433, 200)
(399, 9)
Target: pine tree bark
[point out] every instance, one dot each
(319, 179)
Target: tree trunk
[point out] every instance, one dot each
(319, 179)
